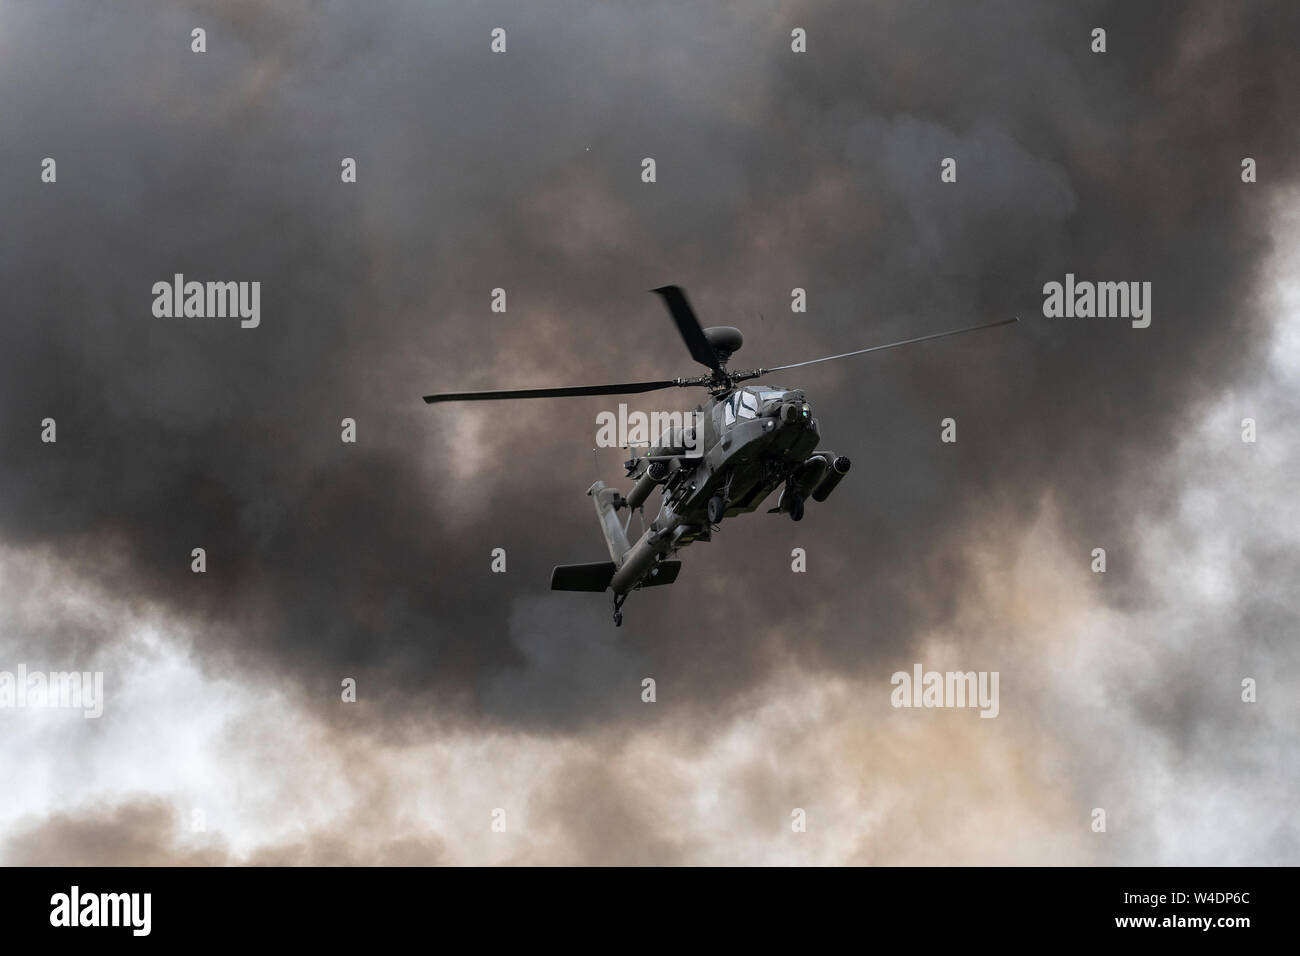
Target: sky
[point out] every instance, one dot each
(483, 698)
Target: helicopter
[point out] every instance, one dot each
(744, 443)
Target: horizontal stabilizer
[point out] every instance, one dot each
(584, 577)
(665, 572)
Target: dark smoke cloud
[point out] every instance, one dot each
(775, 170)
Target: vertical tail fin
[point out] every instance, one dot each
(606, 500)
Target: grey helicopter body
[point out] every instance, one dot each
(744, 443)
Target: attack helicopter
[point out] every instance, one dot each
(744, 443)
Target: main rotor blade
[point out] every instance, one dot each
(625, 388)
(894, 345)
(688, 325)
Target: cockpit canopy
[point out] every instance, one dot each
(745, 403)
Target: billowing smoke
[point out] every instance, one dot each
(775, 170)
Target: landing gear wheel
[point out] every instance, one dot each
(618, 609)
(716, 509)
(618, 618)
(796, 507)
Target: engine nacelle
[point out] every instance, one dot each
(677, 440)
(839, 467)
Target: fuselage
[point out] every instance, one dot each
(756, 438)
